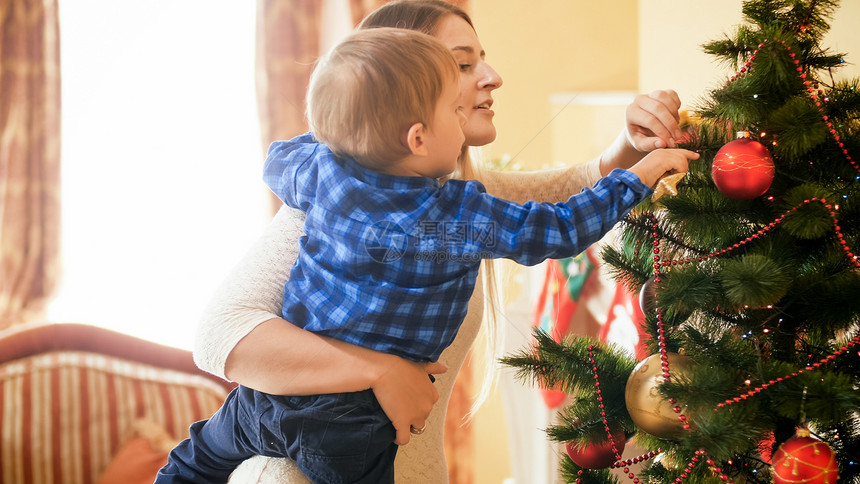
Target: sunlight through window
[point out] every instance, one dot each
(161, 156)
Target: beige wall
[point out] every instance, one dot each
(673, 31)
(558, 47)
(552, 46)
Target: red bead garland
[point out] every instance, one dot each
(837, 230)
(637, 459)
(812, 95)
(609, 432)
(764, 386)
(664, 357)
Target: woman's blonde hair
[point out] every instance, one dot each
(424, 16)
(371, 87)
(420, 15)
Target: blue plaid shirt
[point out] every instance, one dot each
(390, 262)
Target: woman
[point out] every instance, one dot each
(243, 338)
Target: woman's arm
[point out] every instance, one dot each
(554, 185)
(250, 295)
(280, 358)
(241, 336)
(651, 123)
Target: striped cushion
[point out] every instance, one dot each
(64, 414)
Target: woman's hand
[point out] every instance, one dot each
(651, 123)
(406, 393)
(652, 120)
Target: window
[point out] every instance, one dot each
(162, 189)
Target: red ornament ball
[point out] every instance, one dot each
(743, 169)
(598, 456)
(553, 397)
(805, 460)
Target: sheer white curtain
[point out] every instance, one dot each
(161, 160)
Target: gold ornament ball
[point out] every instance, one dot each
(649, 410)
(666, 461)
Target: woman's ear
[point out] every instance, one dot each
(415, 140)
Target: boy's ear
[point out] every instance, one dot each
(415, 139)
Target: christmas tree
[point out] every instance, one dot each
(750, 281)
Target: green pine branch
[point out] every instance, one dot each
(550, 363)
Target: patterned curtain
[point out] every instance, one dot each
(29, 158)
(360, 8)
(287, 46)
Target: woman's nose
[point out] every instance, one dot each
(490, 79)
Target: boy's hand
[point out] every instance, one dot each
(660, 162)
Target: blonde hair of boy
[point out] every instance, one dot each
(371, 87)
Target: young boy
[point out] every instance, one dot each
(391, 254)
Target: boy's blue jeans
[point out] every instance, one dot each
(334, 438)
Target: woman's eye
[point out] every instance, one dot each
(465, 67)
